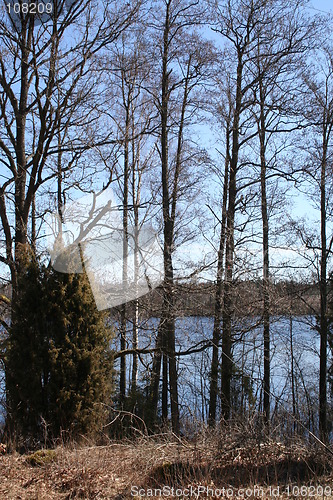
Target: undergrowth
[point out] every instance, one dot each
(230, 457)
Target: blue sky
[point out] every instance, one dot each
(323, 5)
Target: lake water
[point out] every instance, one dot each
(194, 369)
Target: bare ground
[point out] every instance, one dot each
(109, 472)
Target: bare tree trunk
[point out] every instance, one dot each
(33, 224)
(168, 321)
(213, 388)
(292, 369)
(323, 302)
(229, 255)
(265, 253)
(167, 324)
(135, 346)
(165, 379)
(21, 215)
(176, 22)
(135, 329)
(155, 378)
(135, 318)
(123, 320)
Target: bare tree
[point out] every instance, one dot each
(254, 31)
(320, 116)
(276, 67)
(42, 60)
(240, 27)
(42, 69)
(213, 388)
(134, 118)
(183, 56)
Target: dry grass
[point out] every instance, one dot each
(109, 472)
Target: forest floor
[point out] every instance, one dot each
(210, 466)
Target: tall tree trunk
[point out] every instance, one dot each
(166, 334)
(323, 302)
(21, 217)
(169, 235)
(155, 378)
(165, 379)
(213, 388)
(168, 321)
(60, 202)
(292, 366)
(123, 319)
(265, 253)
(168, 272)
(33, 224)
(166, 341)
(22, 210)
(229, 253)
(135, 319)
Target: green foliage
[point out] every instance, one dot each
(59, 363)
